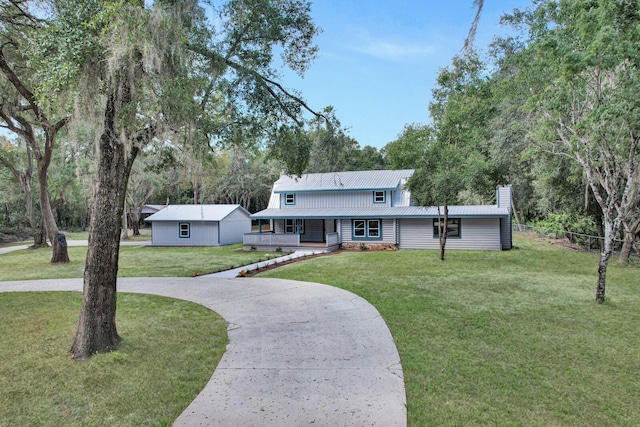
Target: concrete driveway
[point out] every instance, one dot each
(299, 353)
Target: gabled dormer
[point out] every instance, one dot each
(357, 189)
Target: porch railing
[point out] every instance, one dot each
(333, 239)
(270, 239)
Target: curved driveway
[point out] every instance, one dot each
(299, 353)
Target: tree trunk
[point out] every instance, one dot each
(630, 236)
(31, 214)
(605, 254)
(602, 274)
(135, 223)
(59, 254)
(97, 324)
(125, 223)
(24, 179)
(599, 230)
(515, 214)
(40, 236)
(196, 194)
(39, 240)
(442, 229)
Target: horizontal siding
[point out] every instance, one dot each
(338, 199)
(388, 231)
(166, 233)
(475, 233)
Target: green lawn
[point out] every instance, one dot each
(501, 338)
(134, 261)
(485, 338)
(169, 351)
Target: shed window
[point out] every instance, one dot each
(453, 227)
(364, 229)
(185, 230)
(379, 197)
(290, 199)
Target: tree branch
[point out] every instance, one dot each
(266, 83)
(20, 87)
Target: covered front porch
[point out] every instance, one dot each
(289, 234)
(287, 242)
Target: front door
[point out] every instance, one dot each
(314, 231)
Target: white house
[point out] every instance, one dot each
(199, 225)
(373, 209)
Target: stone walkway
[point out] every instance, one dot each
(234, 272)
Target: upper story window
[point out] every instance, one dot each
(290, 199)
(379, 197)
(453, 227)
(184, 230)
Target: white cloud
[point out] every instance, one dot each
(391, 50)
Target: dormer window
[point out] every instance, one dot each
(379, 197)
(290, 199)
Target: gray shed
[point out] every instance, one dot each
(199, 225)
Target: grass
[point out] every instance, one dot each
(145, 234)
(485, 338)
(134, 261)
(501, 338)
(169, 351)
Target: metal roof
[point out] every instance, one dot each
(150, 209)
(344, 181)
(194, 213)
(479, 211)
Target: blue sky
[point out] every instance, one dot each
(379, 59)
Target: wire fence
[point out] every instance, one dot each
(585, 241)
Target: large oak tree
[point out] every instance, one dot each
(143, 69)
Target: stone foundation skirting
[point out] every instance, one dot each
(368, 246)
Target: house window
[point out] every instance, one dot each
(292, 226)
(290, 199)
(373, 226)
(367, 229)
(379, 197)
(184, 230)
(453, 227)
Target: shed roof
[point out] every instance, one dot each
(472, 211)
(151, 209)
(343, 181)
(195, 213)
